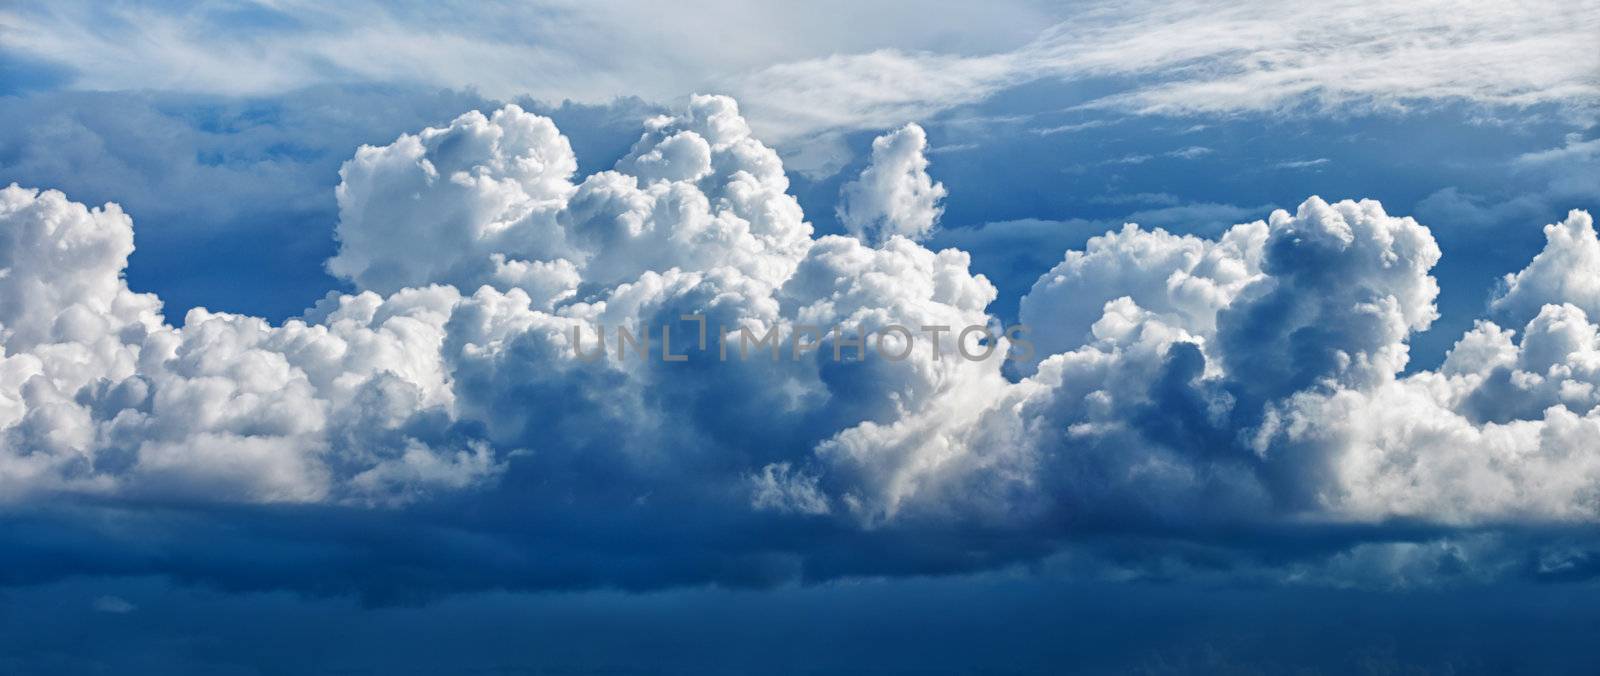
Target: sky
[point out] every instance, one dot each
(298, 306)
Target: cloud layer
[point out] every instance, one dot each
(1167, 383)
(849, 67)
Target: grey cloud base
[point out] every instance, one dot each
(1237, 400)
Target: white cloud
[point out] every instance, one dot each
(1200, 58)
(1567, 270)
(98, 394)
(368, 398)
(1180, 380)
(1275, 396)
(1576, 149)
(852, 67)
(1302, 164)
(430, 207)
(1070, 128)
(552, 50)
(894, 194)
(1190, 152)
(1184, 279)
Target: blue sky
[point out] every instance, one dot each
(315, 385)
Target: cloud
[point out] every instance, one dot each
(1539, 185)
(1276, 395)
(1302, 164)
(256, 175)
(894, 194)
(114, 605)
(101, 396)
(1576, 150)
(1563, 273)
(1070, 128)
(547, 50)
(1301, 60)
(865, 68)
(450, 424)
(1190, 152)
(1183, 277)
(1196, 339)
(1192, 58)
(426, 208)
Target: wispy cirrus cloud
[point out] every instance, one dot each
(1181, 58)
(902, 63)
(1302, 164)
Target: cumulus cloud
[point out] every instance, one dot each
(1166, 400)
(475, 381)
(1563, 273)
(1187, 278)
(894, 195)
(100, 395)
(269, 166)
(425, 207)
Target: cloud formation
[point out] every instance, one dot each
(1179, 58)
(850, 68)
(1170, 383)
(894, 194)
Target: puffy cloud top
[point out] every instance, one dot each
(1568, 270)
(894, 195)
(1184, 278)
(432, 206)
(1176, 382)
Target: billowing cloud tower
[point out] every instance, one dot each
(1170, 382)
